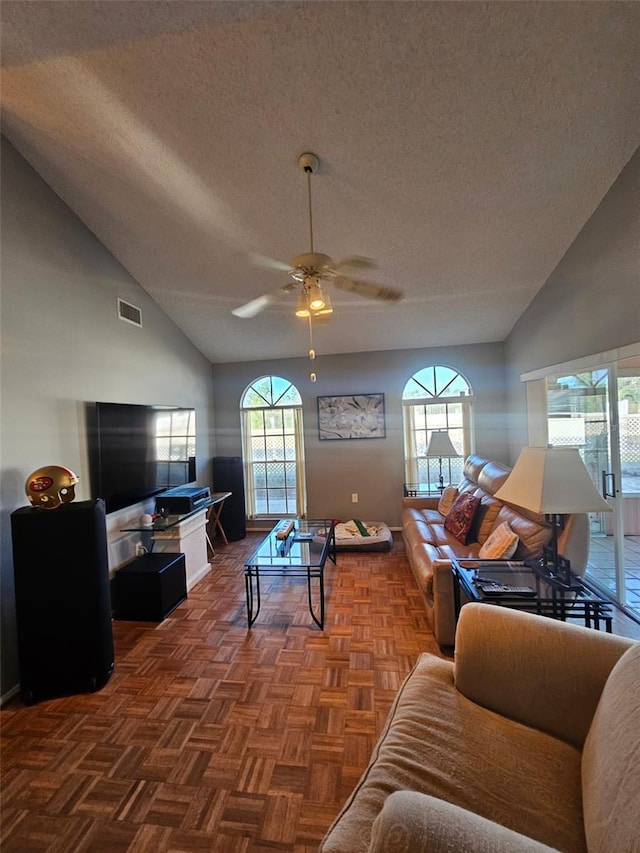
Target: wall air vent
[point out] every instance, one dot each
(129, 313)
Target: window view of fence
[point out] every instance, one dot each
(435, 399)
(272, 431)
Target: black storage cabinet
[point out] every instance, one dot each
(228, 476)
(150, 587)
(63, 602)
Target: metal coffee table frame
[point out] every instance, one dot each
(302, 554)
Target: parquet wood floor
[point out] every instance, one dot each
(210, 736)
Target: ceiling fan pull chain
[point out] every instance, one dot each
(312, 352)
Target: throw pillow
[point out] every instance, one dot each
(446, 499)
(501, 544)
(460, 517)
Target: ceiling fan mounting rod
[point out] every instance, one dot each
(310, 214)
(308, 163)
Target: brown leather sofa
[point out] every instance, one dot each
(429, 545)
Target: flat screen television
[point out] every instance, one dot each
(138, 451)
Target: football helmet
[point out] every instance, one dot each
(51, 486)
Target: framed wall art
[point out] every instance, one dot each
(355, 416)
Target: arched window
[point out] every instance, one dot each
(273, 449)
(436, 398)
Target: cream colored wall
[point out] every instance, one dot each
(589, 304)
(62, 346)
(373, 468)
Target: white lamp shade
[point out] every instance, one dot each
(552, 480)
(440, 445)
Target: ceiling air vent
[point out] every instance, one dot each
(129, 313)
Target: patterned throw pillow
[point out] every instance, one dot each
(501, 544)
(446, 499)
(460, 517)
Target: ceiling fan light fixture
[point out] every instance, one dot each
(317, 296)
(302, 308)
(328, 307)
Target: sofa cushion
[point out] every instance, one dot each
(611, 763)
(432, 516)
(459, 519)
(533, 535)
(492, 476)
(422, 559)
(446, 501)
(439, 535)
(472, 468)
(440, 743)
(466, 486)
(414, 526)
(462, 552)
(410, 822)
(501, 544)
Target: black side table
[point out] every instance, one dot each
(549, 595)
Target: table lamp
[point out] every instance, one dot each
(440, 447)
(552, 481)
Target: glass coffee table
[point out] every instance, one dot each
(302, 552)
(528, 587)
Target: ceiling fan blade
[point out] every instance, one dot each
(358, 262)
(255, 306)
(269, 263)
(250, 309)
(368, 289)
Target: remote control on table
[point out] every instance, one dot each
(505, 589)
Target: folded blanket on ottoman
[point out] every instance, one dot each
(356, 535)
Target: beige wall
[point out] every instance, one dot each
(373, 468)
(590, 303)
(63, 345)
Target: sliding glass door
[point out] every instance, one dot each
(598, 412)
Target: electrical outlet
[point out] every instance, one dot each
(140, 549)
(354, 498)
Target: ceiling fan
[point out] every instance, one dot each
(312, 270)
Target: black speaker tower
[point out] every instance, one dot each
(63, 603)
(228, 477)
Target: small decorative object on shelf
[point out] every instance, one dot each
(51, 486)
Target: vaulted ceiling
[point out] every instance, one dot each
(462, 145)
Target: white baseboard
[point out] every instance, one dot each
(195, 578)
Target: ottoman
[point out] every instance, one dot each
(356, 535)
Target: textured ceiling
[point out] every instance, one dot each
(463, 146)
